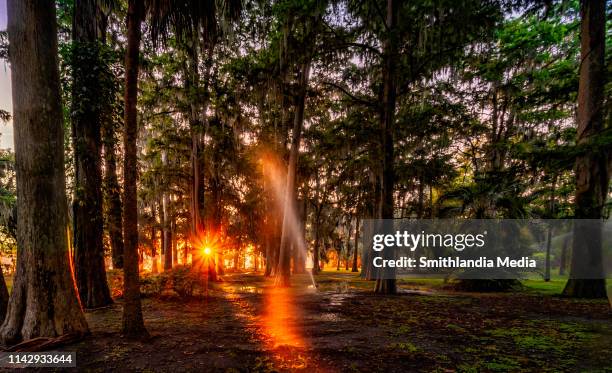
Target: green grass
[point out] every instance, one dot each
(533, 285)
(554, 286)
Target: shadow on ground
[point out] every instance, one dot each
(247, 325)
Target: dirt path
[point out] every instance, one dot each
(247, 325)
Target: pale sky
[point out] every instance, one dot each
(6, 103)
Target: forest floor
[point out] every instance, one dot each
(248, 325)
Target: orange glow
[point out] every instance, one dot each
(207, 251)
(280, 316)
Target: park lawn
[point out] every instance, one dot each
(533, 285)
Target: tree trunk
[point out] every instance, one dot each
(191, 84)
(268, 253)
(4, 296)
(43, 301)
(563, 261)
(356, 246)
(316, 266)
(548, 248)
(154, 266)
(339, 253)
(216, 188)
(197, 111)
(284, 262)
(167, 250)
(347, 253)
(551, 214)
(220, 263)
(348, 250)
(303, 250)
(174, 244)
(133, 323)
(86, 126)
(387, 119)
(112, 192)
(299, 258)
(591, 166)
(421, 203)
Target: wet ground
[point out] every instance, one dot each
(248, 325)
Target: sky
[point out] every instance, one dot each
(6, 102)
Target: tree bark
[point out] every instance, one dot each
(284, 262)
(299, 259)
(165, 221)
(591, 166)
(110, 185)
(356, 246)
(191, 84)
(551, 214)
(86, 126)
(268, 254)
(348, 245)
(174, 243)
(4, 296)
(112, 192)
(197, 118)
(133, 323)
(563, 260)
(316, 265)
(387, 119)
(43, 301)
(154, 265)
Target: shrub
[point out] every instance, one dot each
(181, 280)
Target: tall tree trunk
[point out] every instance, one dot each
(112, 192)
(316, 263)
(192, 82)
(356, 245)
(4, 296)
(387, 119)
(299, 258)
(564, 250)
(216, 200)
(86, 123)
(43, 301)
(198, 104)
(173, 236)
(165, 220)
(133, 323)
(591, 167)
(421, 202)
(551, 214)
(348, 245)
(154, 265)
(267, 223)
(547, 257)
(284, 262)
(168, 254)
(268, 253)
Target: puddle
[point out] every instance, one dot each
(330, 316)
(337, 299)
